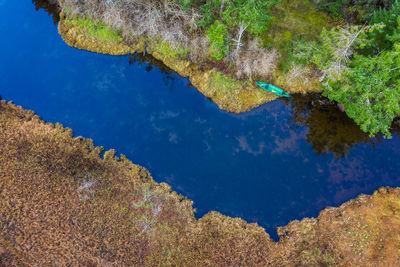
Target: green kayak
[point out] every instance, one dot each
(273, 89)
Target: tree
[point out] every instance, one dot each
(354, 10)
(364, 79)
(383, 36)
(217, 34)
(335, 52)
(210, 12)
(250, 15)
(372, 96)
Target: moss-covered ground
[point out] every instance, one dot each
(97, 30)
(83, 32)
(295, 21)
(62, 204)
(292, 20)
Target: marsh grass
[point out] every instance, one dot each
(130, 220)
(95, 29)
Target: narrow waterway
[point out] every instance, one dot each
(285, 160)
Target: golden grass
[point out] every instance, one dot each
(62, 204)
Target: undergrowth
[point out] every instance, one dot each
(294, 22)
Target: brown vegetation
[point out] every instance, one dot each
(62, 204)
(165, 21)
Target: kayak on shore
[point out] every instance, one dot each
(273, 89)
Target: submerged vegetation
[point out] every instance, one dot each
(63, 204)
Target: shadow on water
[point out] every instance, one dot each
(50, 6)
(149, 62)
(330, 130)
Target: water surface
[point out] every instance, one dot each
(285, 160)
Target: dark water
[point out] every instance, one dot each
(285, 160)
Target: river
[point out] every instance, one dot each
(285, 160)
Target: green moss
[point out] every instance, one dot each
(165, 49)
(220, 80)
(233, 94)
(294, 20)
(92, 36)
(316, 19)
(301, 18)
(95, 29)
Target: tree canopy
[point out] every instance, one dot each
(361, 69)
(252, 14)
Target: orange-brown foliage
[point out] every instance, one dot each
(62, 204)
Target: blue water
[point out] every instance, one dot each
(285, 160)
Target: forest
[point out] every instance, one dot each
(351, 46)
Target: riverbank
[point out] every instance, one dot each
(292, 44)
(63, 202)
(222, 87)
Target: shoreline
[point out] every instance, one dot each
(58, 191)
(65, 202)
(227, 92)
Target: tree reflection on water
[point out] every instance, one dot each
(50, 6)
(149, 62)
(330, 130)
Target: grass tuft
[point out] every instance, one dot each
(95, 29)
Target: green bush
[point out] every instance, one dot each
(210, 12)
(382, 36)
(217, 33)
(334, 8)
(372, 95)
(360, 10)
(255, 14)
(360, 75)
(303, 51)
